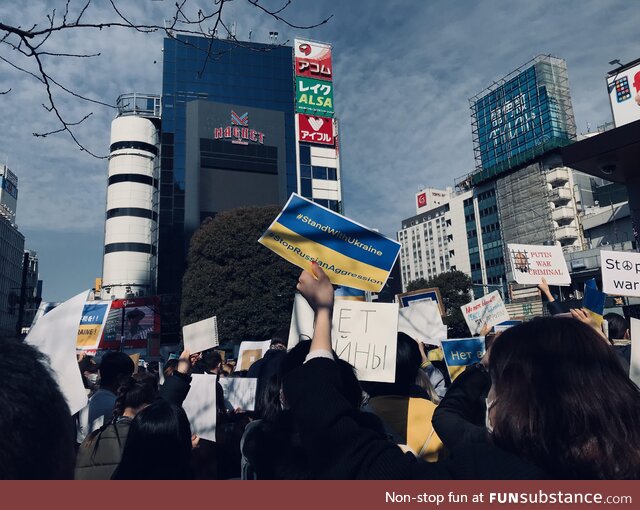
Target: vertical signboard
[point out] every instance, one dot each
(624, 94)
(313, 60)
(316, 129)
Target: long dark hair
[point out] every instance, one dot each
(158, 445)
(563, 401)
(138, 390)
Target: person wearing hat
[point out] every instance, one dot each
(135, 331)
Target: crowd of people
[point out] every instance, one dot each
(551, 399)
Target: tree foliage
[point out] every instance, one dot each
(230, 275)
(455, 288)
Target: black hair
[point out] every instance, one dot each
(617, 326)
(37, 435)
(211, 360)
(158, 445)
(137, 391)
(563, 400)
(115, 367)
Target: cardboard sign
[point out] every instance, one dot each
(200, 406)
(422, 322)
(201, 335)
(250, 352)
(634, 370)
(416, 296)
(94, 317)
(488, 311)
(55, 334)
(620, 273)
(531, 263)
(363, 334)
(349, 253)
(239, 393)
(462, 352)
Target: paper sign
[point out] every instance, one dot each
(200, 406)
(488, 311)
(239, 393)
(201, 335)
(363, 334)
(417, 296)
(350, 254)
(250, 352)
(94, 317)
(634, 370)
(620, 273)
(422, 322)
(55, 334)
(503, 326)
(531, 263)
(462, 352)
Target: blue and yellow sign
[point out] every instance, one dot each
(462, 352)
(351, 254)
(91, 324)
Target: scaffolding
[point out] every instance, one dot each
(507, 131)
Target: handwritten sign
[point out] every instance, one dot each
(94, 317)
(417, 296)
(351, 254)
(531, 263)
(422, 322)
(620, 273)
(201, 335)
(488, 311)
(363, 334)
(462, 352)
(200, 406)
(239, 393)
(250, 352)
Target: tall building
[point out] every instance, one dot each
(11, 253)
(131, 232)
(525, 193)
(243, 124)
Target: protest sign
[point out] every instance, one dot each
(487, 311)
(200, 406)
(634, 369)
(363, 334)
(593, 301)
(620, 273)
(349, 253)
(462, 352)
(239, 393)
(503, 326)
(55, 334)
(422, 322)
(531, 263)
(94, 317)
(417, 296)
(201, 335)
(250, 352)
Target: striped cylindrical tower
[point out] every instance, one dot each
(130, 237)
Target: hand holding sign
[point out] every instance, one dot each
(316, 288)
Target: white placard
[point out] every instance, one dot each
(55, 334)
(620, 273)
(422, 322)
(250, 352)
(239, 392)
(201, 335)
(200, 406)
(363, 334)
(531, 263)
(634, 369)
(488, 311)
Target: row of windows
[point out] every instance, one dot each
(135, 247)
(319, 172)
(132, 211)
(138, 178)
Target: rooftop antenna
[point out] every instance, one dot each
(250, 32)
(232, 32)
(273, 36)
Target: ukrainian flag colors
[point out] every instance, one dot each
(351, 254)
(462, 352)
(92, 321)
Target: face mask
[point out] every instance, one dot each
(92, 378)
(487, 419)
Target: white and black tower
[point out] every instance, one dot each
(131, 223)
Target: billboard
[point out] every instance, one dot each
(316, 129)
(314, 96)
(130, 322)
(624, 94)
(528, 114)
(313, 60)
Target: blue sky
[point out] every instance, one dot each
(403, 73)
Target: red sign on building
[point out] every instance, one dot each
(422, 199)
(315, 129)
(313, 60)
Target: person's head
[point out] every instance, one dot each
(115, 368)
(135, 394)
(89, 370)
(134, 316)
(212, 361)
(561, 398)
(618, 328)
(37, 436)
(158, 445)
(169, 367)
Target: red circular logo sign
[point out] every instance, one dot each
(305, 48)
